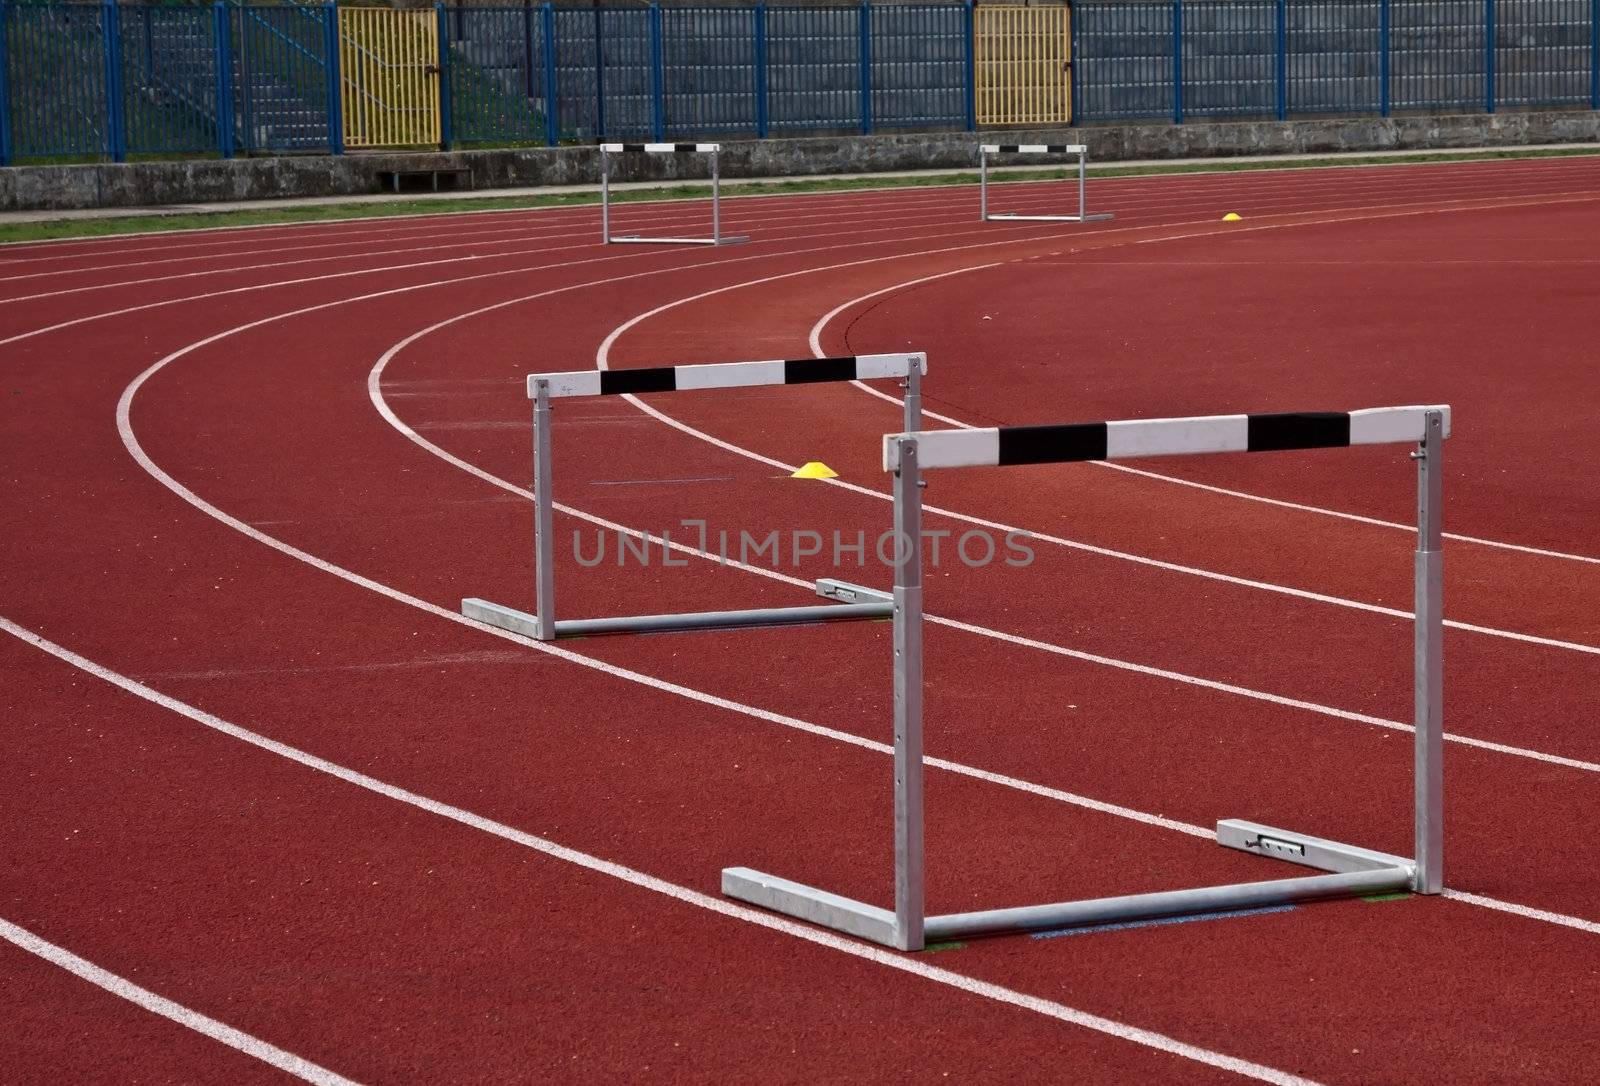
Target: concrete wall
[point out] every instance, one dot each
(144, 184)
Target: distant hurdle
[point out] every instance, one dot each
(713, 149)
(1353, 870)
(852, 601)
(987, 149)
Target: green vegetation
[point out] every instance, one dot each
(435, 205)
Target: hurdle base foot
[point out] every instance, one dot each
(1099, 216)
(812, 905)
(526, 625)
(830, 588)
(634, 239)
(1166, 904)
(1304, 849)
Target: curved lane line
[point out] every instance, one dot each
(123, 988)
(907, 964)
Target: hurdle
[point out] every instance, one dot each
(713, 149)
(849, 601)
(987, 149)
(1353, 870)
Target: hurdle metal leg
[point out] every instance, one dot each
(1428, 671)
(909, 859)
(983, 185)
(605, 197)
(544, 551)
(716, 200)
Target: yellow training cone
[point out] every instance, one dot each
(1232, 216)
(815, 469)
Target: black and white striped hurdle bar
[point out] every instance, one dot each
(661, 148)
(794, 371)
(1035, 149)
(1010, 445)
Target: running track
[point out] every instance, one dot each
(272, 809)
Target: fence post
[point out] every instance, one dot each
(446, 99)
(970, 72)
(5, 86)
(527, 52)
(1488, 56)
(116, 138)
(1283, 60)
(330, 46)
(866, 66)
(658, 77)
(552, 127)
(1177, 61)
(763, 119)
(599, 75)
(223, 41)
(1594, 54)
(1383, 57)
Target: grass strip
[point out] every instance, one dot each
(432, 205)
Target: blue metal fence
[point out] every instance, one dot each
(1283, 58)
(98, 79)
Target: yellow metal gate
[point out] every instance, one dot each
(1024, 59)
(389, 61)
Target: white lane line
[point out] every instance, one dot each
(86, 970)
(380, 402)
(906, 964)
(602, 357)
(1524, 911)
(131, 443)
(815, 339)
(1220, 183)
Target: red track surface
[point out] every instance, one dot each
(1208, 655)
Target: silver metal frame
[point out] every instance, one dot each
(1083, 214)
(1352, 870)
(716, 238)
(852, 601)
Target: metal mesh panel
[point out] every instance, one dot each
(1437, 58)
(280, 78)
(1542, 52)
(496, 75)
(603, 73)
(708, 58)
(813, 68)
(1230, 58)
(1334, 60)
(1122, 60)
(919, 65)
(169, 78)
(56, 81)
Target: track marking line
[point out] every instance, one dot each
(602, 357)
(815, 339)
(131, 443)
(906, 964)
(1234, 182)
(380, 403)
(86, 970)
